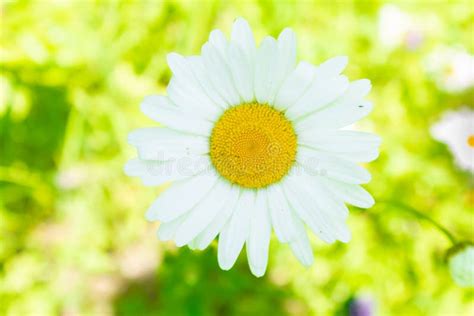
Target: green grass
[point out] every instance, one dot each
(72, 77)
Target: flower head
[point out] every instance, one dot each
(456, 129)
(461, 264)
(253, 141)
(451, 68)
(362, 306)
(397, 28)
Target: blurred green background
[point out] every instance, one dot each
(73, 238)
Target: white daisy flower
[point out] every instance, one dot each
(456, 129)
(253, 141)
(451, 68)
(397, 28)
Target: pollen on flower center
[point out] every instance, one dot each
(470, 140)
(253, 145)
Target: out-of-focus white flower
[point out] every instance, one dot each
(71, 178)
(397, 28)
(461, 264)
(451, 68)
(456, 129)
(138, 261)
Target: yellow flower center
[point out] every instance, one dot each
(470, 140)
(253, 145)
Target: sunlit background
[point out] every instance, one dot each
(73, 238)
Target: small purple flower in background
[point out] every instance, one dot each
(413, 40)
(362, 306)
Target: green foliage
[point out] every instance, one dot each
(73, 239)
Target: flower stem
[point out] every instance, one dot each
(420, 215)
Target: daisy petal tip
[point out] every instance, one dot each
(287, 33)
(133, 138)
(367, 178)
(365, 85)
(205, 49)
(333, 66)
(181, 239)
(181, 242)
(257, 272)
(149, 102)
(225, 266)
(241, 22)
(200, 247)
(173, 58)
(346, 239)
(151, 216)
(369, 203)
(345, 234)
(160, 236)
(268, 41)
(343, 60)
(377, 139)
(215, 35)
(307, 263)
(129, 168)
(340, 62)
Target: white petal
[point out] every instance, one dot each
(219, 74)
(322, 91)
(191, 101)
(161, 110)
(242, 72)
(280, 212)
(135, 168)
(202, 76)
(243, 37)
(313, 208)
(333, 66)
(167, 231)
(207, 235)
(295, 85)
(265, 70)
(218, 40)
(154, 173)
(353, 145)
(305, 208)
(259, 237)
(351, 193)
(159, 143)
(348, 109)
(286, 60)
(181, 197)
(190, 95)
(328, 203)
(300, 245)
(235, 232)
(320, 163)
(203, 213)
(301, 79)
